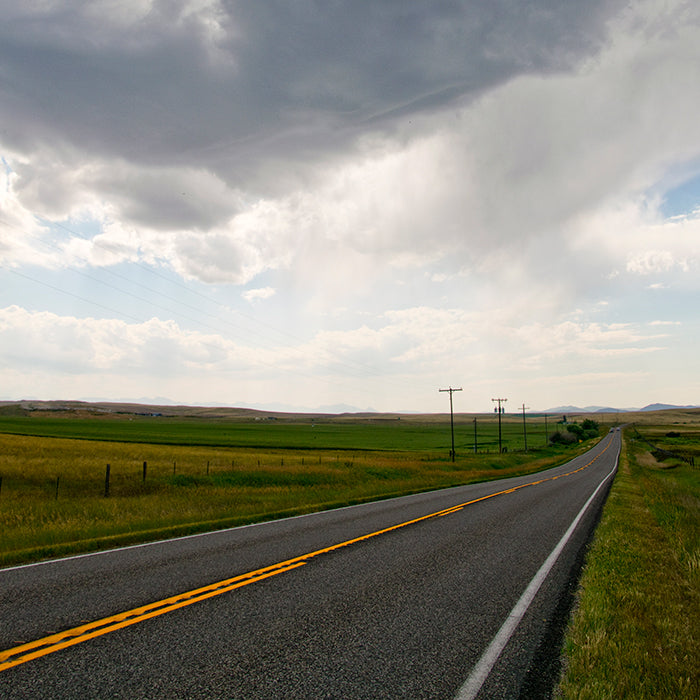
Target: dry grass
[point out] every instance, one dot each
(191, 489)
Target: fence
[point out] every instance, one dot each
(664, 453)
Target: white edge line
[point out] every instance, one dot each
(101, 552)
(483, 668)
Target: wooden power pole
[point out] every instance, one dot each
(500, 410)
(524, 427)
(452, 421)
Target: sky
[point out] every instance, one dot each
(344, 205)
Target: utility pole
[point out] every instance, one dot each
(474, 434)
(452, 421)
(546, 435)
(524, 427)
(500, 410)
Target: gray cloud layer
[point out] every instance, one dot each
(238, 87)
(231, 138)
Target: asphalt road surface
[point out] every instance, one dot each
(458, 593)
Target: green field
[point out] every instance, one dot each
(375, 433)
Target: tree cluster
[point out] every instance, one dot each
(576, 432)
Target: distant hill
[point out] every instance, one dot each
(663, 407)
(608, 409)
(588, 409)
(247, 412)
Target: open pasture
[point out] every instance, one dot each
(368, 432)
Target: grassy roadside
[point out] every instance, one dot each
(636, 630)
(53, 503)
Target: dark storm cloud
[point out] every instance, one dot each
(184, 80)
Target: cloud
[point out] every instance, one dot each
(249, 95)
(330, 165)
(457, 177)
(262, 293)
(651, 261)
(633, 242)
(88, 345)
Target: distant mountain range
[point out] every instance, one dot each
(608, 409)
(156, 403)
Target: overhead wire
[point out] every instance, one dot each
(354, 368)
(258, 360)
(363, 369)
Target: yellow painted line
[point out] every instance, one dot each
(450, 511)
(41, 647)
(54, 642)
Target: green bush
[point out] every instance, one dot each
(574, 432)
(563, 438)
(589, 424)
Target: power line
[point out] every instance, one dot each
(356, 369)
(258, 360)
(71, 294)
(151, 271)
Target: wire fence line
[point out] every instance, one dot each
(688, 459)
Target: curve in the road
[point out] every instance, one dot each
(41, 647)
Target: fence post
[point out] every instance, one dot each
(207, 467)
(58, 478)
(144, 472)
(107, 482)
(0, 483)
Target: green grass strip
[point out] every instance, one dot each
(635, 631)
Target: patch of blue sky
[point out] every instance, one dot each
(71, 228)
(8, 170)
(67, 292)
(682, 200)
(650, 301)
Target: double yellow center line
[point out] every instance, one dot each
(47, 645)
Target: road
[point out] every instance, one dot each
(457, 593)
